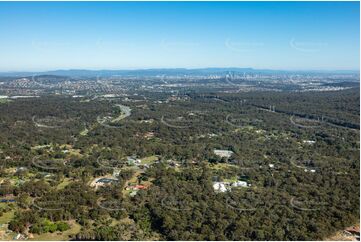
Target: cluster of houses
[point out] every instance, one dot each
(132, 187)
(134, 161)
(227, 186)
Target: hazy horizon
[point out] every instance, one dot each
(44, 36)
(178, 68)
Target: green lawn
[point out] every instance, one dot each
(64, 183)
(7, 217)
(148, 160)
(75, 228)
(222, 166)
(134, 178)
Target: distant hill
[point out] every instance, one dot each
(165, 71)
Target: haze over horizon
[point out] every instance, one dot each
(160, 69)
(45, 36)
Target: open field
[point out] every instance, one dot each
(75, 228)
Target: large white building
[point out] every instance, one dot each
(226, 186)
(223, 153)
(219, 187)
(239, 184)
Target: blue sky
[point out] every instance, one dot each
(38, 36)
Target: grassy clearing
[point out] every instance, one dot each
(222, 166)
(73, 152)
(75, 228)
(134, 178)
(148, 160)
(64, 183)
(7, 217)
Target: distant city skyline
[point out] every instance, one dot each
(44, 36)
